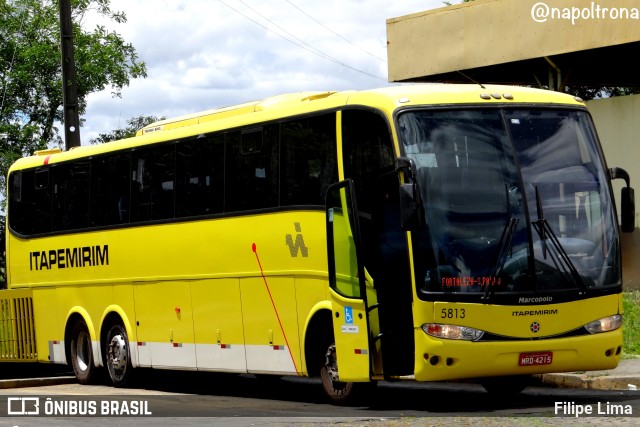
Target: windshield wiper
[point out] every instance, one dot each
(560, 258)
(505, 245)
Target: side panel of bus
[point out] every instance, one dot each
(270, 324)
(164, 319)
(217, 324)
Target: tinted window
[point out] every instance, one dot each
(252, 169)
(200, 176)
(110, 189)
(368, 153)
(152, 183)
(308, 160)
(70, 195)
(282, 164)
(30, 201)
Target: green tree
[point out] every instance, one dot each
(31, 75)
(133, 125)
(448, 3)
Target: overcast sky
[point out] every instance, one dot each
(204, 54)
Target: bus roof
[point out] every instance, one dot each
(231, 111)
(386, 99)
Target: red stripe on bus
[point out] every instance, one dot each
(254, 248)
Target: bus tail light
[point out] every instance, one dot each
(452, 332)
(605, 324)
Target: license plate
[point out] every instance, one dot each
(534, 359)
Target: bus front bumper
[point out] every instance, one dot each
(440, 359)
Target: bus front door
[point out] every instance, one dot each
(350, 290)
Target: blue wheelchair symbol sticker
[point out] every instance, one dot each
(348, 315)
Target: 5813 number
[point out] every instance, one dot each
(452, 313)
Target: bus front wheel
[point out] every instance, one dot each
(82, 353)
(117, 355)
(339, 392)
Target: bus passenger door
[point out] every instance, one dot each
(348, 287)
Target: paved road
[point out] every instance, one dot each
(215, 399)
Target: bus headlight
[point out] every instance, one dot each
(605, 324)
(452, 332)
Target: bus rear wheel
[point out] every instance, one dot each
(117, 355)
(82, 353)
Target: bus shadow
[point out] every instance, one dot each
(229, 384)
(388, 399)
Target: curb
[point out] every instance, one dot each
(604, 382)
(36, 382)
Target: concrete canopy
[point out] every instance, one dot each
(555, 43)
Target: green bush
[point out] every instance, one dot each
(631, 323)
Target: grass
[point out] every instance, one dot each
(631, 324)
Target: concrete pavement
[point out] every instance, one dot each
(625, 377)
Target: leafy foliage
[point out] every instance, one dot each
(596, 92)
(133, 124)
(631, 323)
(31, 74)
(31, 71)
(448, 3)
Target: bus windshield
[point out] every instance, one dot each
(515, 201)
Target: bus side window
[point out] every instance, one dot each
(308, 160)
(369, 161)
(251, 169)
(18, 215)
(200, 176)
(30, 213)
(36, 201)
(71, 184)
(152, 183)
(110, 189)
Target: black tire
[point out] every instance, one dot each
(506, 386)
(117, 355)
(82, 353)
(341, 393)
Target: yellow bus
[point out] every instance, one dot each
(419, 232)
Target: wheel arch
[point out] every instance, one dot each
(317, 326)
(73, 316)
(112, 315)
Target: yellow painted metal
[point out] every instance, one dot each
(351, 338)
(17, 330)
(441, 359)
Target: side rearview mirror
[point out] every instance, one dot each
(410, 204)
(627, 201)
(628, 210)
